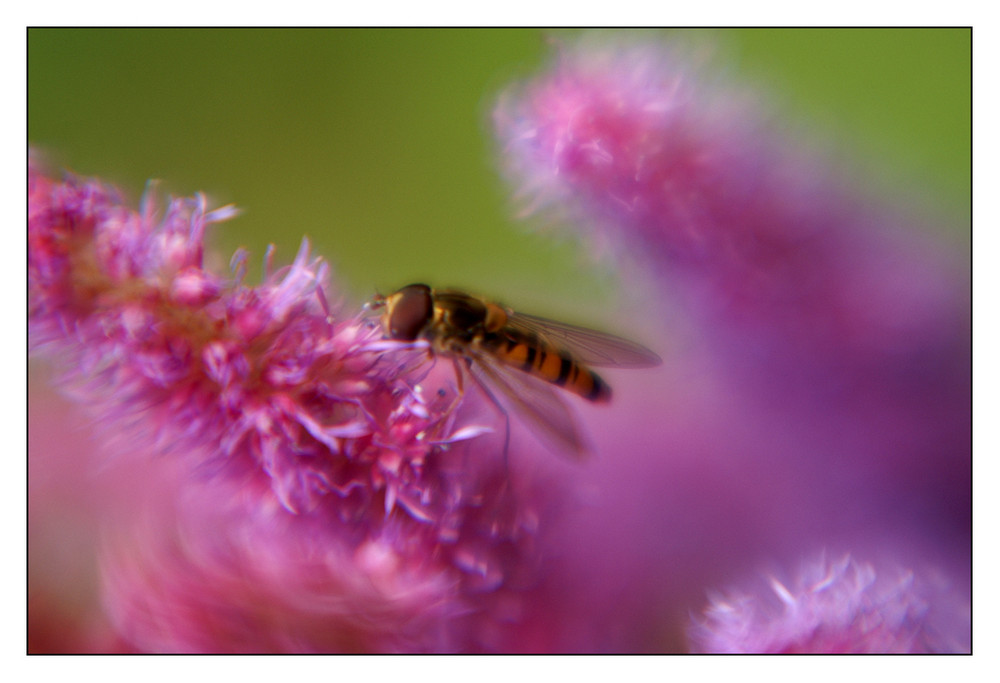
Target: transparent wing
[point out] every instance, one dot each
(536, 403)
(588, 346)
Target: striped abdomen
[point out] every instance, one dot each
(551, 364)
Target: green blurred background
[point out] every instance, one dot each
(377, 143)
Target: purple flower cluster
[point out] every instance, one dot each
(325, 484)
(337, 493)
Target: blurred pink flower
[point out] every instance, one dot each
(816, 390)
(793, 275)
(837, 607)
(68, 490)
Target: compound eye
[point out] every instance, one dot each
(410, 309)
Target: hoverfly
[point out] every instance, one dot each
(514, 353)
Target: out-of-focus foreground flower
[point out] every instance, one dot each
(835, 607)
(323, 495)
